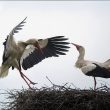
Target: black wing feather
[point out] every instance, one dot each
(99, 72)
(56, 46)
(18, 27)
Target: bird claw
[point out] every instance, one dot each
(33, 83)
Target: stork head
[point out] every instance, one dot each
(35, 43)
(78, 47)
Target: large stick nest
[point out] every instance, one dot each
(59, 98)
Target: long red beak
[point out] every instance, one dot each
(38, 47)
(76, 45)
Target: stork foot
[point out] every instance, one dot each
(33, 83)
(28, 83)
(31, 87)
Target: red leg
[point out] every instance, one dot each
(95, 83)
(25, 80)
(29, 79)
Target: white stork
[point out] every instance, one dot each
(30, 52)
(92, 68)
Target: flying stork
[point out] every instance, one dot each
(92, 68)
(25, 54)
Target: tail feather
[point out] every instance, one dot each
(3, 71)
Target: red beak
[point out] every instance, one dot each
(77, 46)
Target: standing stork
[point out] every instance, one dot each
(30, 52)
(92, 68)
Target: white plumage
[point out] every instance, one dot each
(88, 68)
(26, 54)
(28, 50)
(92, 68)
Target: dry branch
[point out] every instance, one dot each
(59, 98)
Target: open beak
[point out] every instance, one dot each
(38, 47)
(77, 46)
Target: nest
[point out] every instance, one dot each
(59, 98)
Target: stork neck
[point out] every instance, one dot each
(80, 61)
(81, 55)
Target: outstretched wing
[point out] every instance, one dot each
(10, 40)
(54, 46)
(18, 27)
